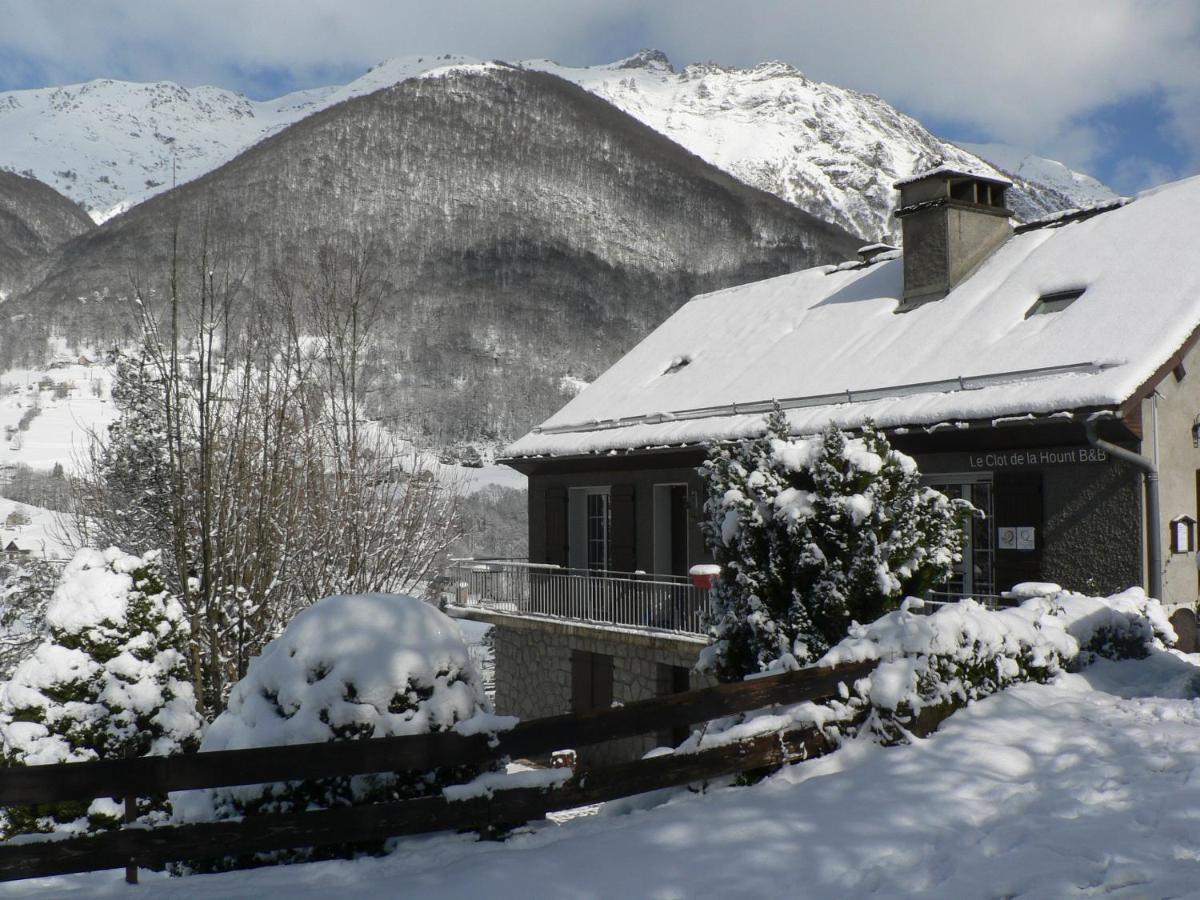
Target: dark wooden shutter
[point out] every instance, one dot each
(623, 539)
(556, 526)
(591, 681)
(602, 681)
(679, 530)
(672, 680)
(581, 681)
(1017, 502)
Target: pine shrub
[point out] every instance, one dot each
(110, 682)
(813, 534)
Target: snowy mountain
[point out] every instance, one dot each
(526, 228)
(832, 151)
(1039, 170)
(109, 145)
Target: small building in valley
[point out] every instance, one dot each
(1049, 373)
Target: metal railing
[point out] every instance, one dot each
(666, 602)
(936, 599)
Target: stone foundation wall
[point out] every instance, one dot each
(533, 670)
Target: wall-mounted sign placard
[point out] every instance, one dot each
(1016, 537)
(1045, 456)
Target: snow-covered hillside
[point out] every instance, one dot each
(47, 415)
(832, 151)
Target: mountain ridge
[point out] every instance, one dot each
(830, 150)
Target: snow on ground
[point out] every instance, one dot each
(59, 431)
(1089, 786)
(477, 479)
(43, 536)
(71, 399)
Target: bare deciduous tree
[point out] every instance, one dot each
(242, 451)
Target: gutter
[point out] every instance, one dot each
(860, 395)
(1150, 474)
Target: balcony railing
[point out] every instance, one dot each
(664, 602)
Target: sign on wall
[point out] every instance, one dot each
(1046, 456)
(1016, 537)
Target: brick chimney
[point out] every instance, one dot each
(952, 221)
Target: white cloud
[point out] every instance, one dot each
(1029, 72)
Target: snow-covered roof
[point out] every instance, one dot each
(950, 171)
(828, 344)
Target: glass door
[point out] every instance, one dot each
(976, 573)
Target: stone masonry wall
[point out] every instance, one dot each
(533, 670)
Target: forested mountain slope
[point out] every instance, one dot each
(528, 229)
(34, 219)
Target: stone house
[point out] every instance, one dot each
(1048, 372)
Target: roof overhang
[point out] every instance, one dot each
(1062, 427)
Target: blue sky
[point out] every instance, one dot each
(1111, 87)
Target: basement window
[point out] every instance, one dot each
(1055, 301)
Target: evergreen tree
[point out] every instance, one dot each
(131, 506)
(815, 533)
(111, 681)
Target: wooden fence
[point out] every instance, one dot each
(156, 847)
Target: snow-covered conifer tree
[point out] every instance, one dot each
(111, 681)
(133, 468)
(814, 533)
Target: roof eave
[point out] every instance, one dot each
(1116, 414)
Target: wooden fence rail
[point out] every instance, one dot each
(157, 775)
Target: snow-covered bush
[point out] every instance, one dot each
(110, 681)
(930, 665)
(349, 667)
(1128, 625)
(812, 534)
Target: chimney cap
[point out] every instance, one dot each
(945, 171)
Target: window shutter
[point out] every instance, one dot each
(623, 540)
(602, 681)
(581, 681)
(556, 526)
(591, 681)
